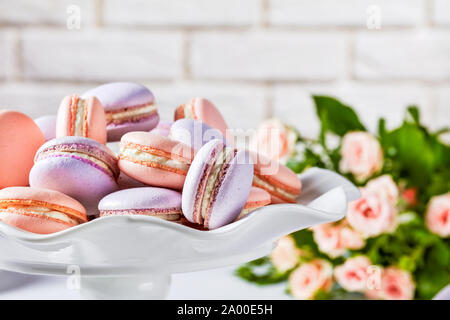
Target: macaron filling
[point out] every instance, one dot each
(189, 112)
(130, 114)
(210, 184)
(152, 158)
(78, 116)
(259, 182)
(39, 209)
(91, 158)
(170, 214)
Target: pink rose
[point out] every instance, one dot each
(353, 274)
(372, 214)
(274, 140)
(306, 280)
(385, 186)
(396, 284)
(335, 239)
(361, 155)
(285, 256)
(437, 216)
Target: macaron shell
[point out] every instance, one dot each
(152, 176)
(96, 120)
(43, 195)
(75, 178)
(194, 177)
(34, 224)
(119, 95)
(20, 138)
(194, 133)
(257, 197)
(207, 112)
(162, 129)
(276, 170)
(142, 198)
(47, 124)
(233, 192)
(175, 148)
(116, 131)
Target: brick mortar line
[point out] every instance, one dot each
(186, 56)
(213, 28)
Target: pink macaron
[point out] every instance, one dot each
(20, 138)
(81, 117)
(217, 185)
(40, 210)
(155, 160)
(279, 181)
(203, 110)
(258, 198)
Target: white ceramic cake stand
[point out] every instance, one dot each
(133, 257)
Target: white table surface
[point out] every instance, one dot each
(215, 284)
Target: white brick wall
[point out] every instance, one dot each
(441, 12)
(403, 55)
(253, 58)
(320, 13)
(266, 56)
(3, 54)
(26, 12)
(101, 55)
(182, 13)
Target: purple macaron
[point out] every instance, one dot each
(217, 185)
(149, 201)
(128, 107)
(79, 167)
(194, 133)
(163, 128)
(47, 124)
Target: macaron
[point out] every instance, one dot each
(162, 129)
(79, 167)
(194, 133)
(40, 210)
(20, 138)
(217, 185)
(47, 124)
(279, 181)
(257, 198)
(203, 110)
(128, 107)
(155, 160)
(150, 201)
(82, 118)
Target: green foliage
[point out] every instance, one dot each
(261, 272)
(336, 117)
(414, 157)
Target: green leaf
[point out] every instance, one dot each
(261, 272)
(413, 112)
(336, 117)
(430, 281)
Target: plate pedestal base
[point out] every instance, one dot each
(140, 287)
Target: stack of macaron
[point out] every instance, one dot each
(107, 153)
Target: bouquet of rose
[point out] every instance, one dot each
(394, 242)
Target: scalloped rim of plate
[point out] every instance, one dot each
(208, 234)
